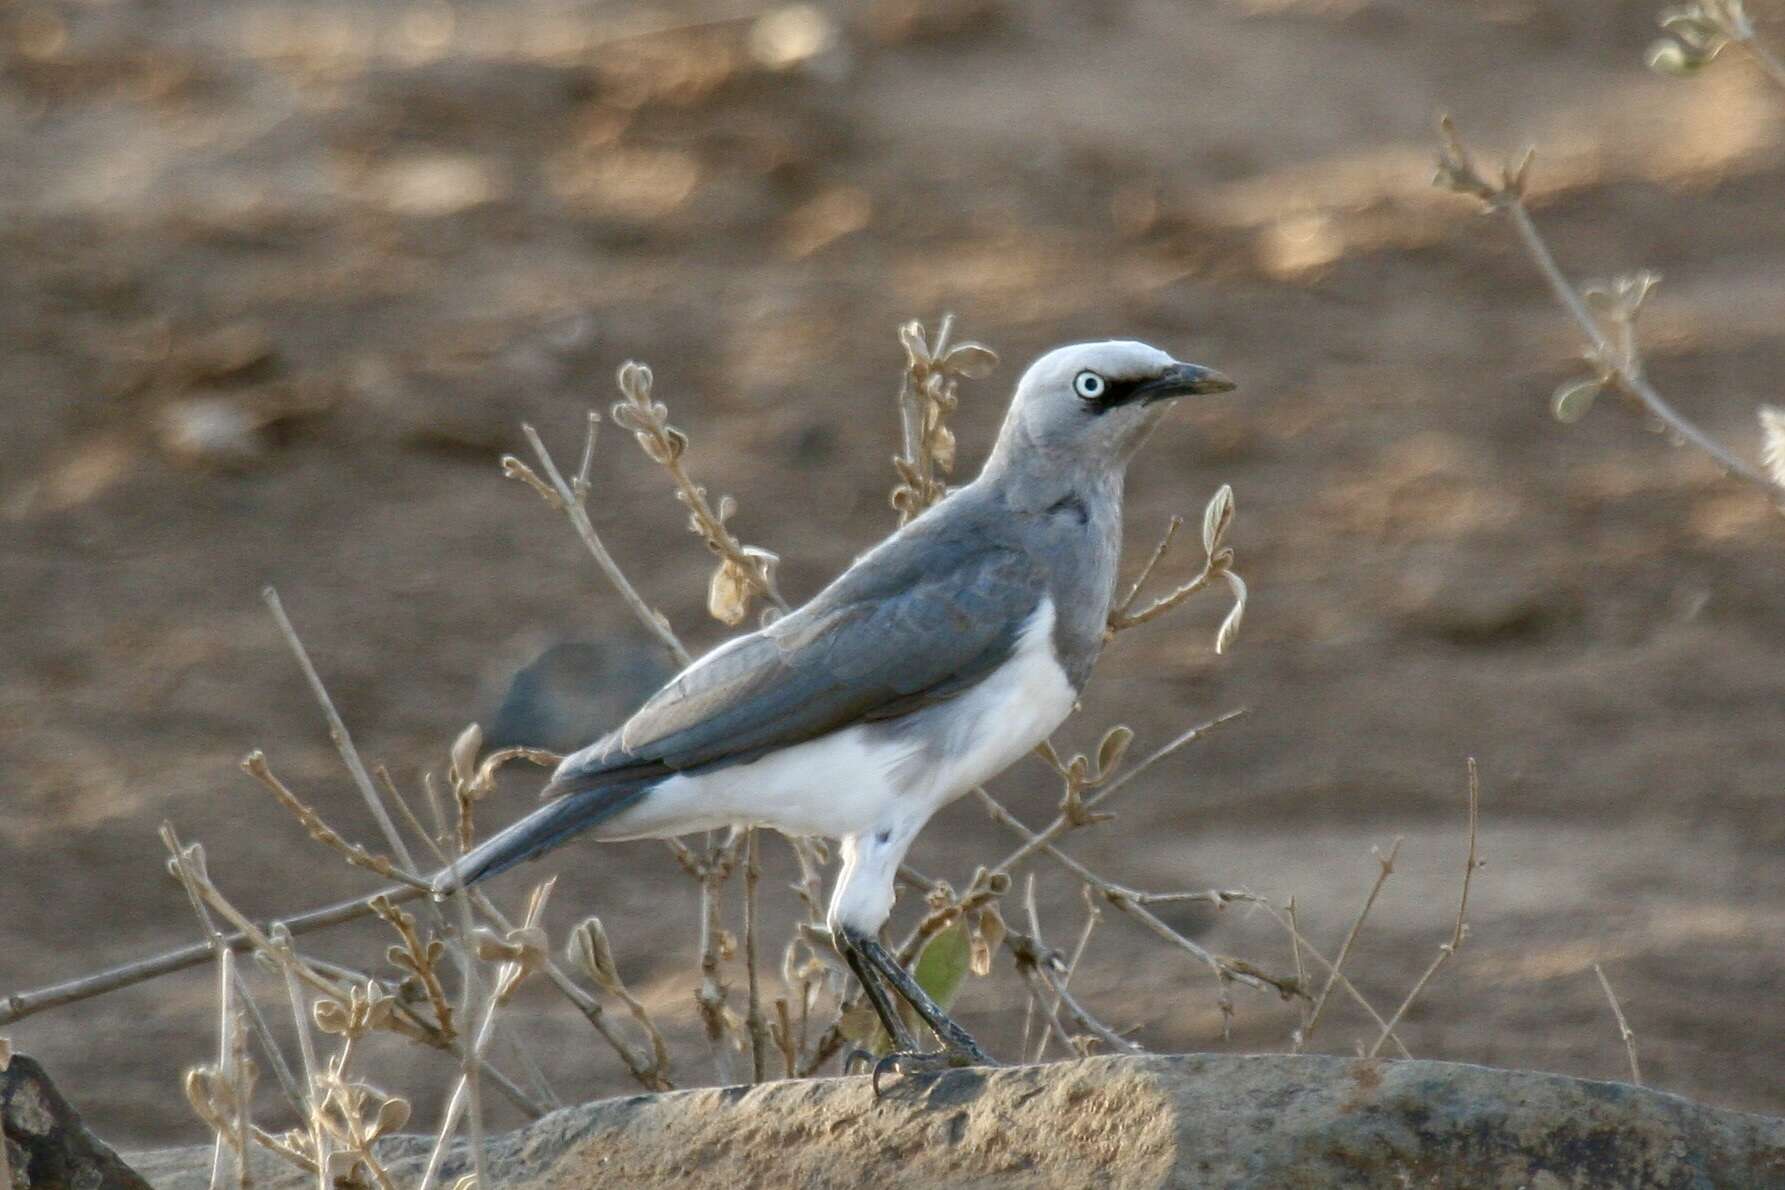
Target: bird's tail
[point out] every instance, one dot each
(539, 832)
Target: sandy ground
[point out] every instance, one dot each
(346, 250)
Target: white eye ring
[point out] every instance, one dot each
(1088, 385)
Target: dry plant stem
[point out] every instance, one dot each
(1038, 992)
(19, 1005)
(456, 1105)
(468, 1074)
(1624, 1030)
(1056, 979)
(1088, 1022)
(412, 1025)
(218, 945)
(652, 1077)
(1385, 868)
(568, 504)
(1448, 950)
(418, 1029)
(828, 1045)
(1120, 619)
(404, 925)
(1146, 572)
(300, 1011)
(1060, 825)
(225, 1051)
(912, 414)
(711, 995)
(754, 1021)
(1621, 366)
(1078, 952)
(255, 765)
(1295, 954)
(580, 999)
(648, 418)
(785, 1039)
(1344, 983)
(337, 730)
(239, 1076)
(1125, 900)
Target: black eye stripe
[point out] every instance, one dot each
(1115, 392)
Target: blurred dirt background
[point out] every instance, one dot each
(279, 281)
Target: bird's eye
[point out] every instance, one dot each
(1088, 385)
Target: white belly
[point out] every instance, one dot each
(874, 776)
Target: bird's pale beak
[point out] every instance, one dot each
(1184, 380)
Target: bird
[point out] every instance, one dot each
(932, 663)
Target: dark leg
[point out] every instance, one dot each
(953, 1037)
(876, 993)
(871, 962)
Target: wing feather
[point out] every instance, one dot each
(915, 622)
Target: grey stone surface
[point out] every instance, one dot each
(1191, 1120)
(47, 1145)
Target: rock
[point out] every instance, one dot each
(47, 1146)
(1192, 1120)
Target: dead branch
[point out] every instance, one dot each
(1386, 867)
(1448, 950)
(1624, 1030)
(1618, 363)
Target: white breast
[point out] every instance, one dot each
(994, 724)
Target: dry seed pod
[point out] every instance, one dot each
(1772, 455)
(728, 593)
(1230, 627)
(464, 756)
(1113, 746)
(970, 361)
(1217, 515)
(1571, 401)
(589, 949)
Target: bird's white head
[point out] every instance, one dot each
(1092, 404)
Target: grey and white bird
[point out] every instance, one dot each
(935, 661)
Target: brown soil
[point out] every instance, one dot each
(352, 248)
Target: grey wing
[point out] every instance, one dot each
(914, 630)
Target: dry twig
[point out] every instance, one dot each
(744, 571)
(1618, 362)
(337, 731)
(1386, 867)
(927, 395)
(1701, 30)
(1458, 931)
(1624, 1030)
(561, 496)
(1217, 518)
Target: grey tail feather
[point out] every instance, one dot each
(553, 823)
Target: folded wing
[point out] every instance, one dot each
(925, 621)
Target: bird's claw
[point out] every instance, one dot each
(909, 1062)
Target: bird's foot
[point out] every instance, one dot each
(963, 1052)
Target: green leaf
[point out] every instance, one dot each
(941, 968)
